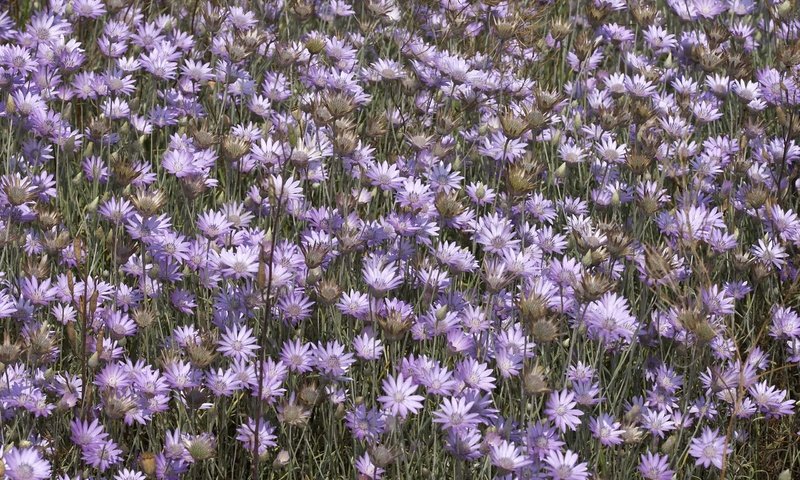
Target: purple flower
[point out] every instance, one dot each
(610, 321)
(605, 429)
(560, 409)
(565, 466)
(25, 464)
(365, 424)
(266, 439)
(455, 413)
(709, 448)
(398, 396)
(508, 456)
(238, 342)
(654, 466)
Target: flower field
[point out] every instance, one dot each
(389, 239)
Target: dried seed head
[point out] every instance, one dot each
(376, 126)
(592, 286)
(193, 187)
(535, 381)
(520, 181)
(147, 462)
(282, 459)
(383, 456)
(293, 414)
(234, 148)
(55, 240)
(200, 355)
(560, 28)
(504, 28)
(9, 352)
(315, 44)
(122, 171)
(419, 141)
(200, 447)
(328, 291)
(303, 10)
(394, 325)
(345, 142)
(544, 331)
(338, 104)
(17, 189)
(310, 394)
(513, 126)
(148, 202)
(116, 406)
(631, 434)
(204, 139)
(448, 205)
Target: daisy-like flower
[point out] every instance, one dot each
(238, 343)
(709, 448)
(654, 466)
(365, 424)
(455, 413)
(246, 434)
(605, 429)
(609, 320)
(495, 233)
(238, 263)
(507, 456)
(399, 397)
(367, 345)
(560, 409)
(25, 464)
(565, 466)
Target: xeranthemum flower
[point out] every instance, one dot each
(238, 343)
(455, 413)
(655, 467)
(609, 319)
(508, 456)
(398, 396)
(709, 448)
(565, 466)
(25, 464)
(561, 410)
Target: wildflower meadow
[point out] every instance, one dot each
(399, 239)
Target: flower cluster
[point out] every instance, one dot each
(385, 239)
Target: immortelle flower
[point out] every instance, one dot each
(455, 413)
(399, 398)
(609, 320)
(25, 464)
(508, 456)
(365, 424)
(709, 448)
(565, 466)
(238, 343)
(605, 429)
(246, 434)
(561, 410)
(655, 467)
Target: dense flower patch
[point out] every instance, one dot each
(388, 239)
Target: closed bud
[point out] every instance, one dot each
(147, 462)
(282, 459)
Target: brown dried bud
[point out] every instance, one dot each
(149, 202)
(535, 381)
(338, 104)
(592, 286)
(328, 291)
(513, 126)
(234, 148)
(147, 462)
